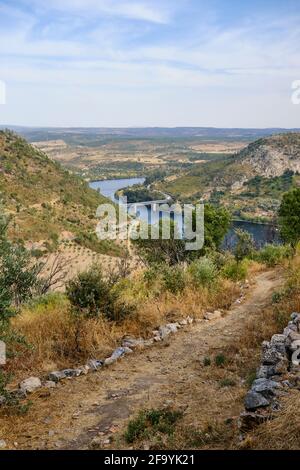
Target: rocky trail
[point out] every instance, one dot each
(96, 408)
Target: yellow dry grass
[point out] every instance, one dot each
(57, 340)
(283, 431)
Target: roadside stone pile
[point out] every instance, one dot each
(279, 371)
(129, 344)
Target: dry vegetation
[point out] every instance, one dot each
(215, 400)
(50, 330)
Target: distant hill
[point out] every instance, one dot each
(44, 200)
(274, 155)
(250, 183)
(89, 136)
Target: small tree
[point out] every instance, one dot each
(245, 245)
(217, 221)
(169, 251)
(89, 294)
(289, 217)
(18, 277)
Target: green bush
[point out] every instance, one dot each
(152, 422)
(89, 293)
(203, 271)
(92, 296)
(220, 360)
(174, 279)
(244, 246)
(272, 255)
(152, 274)
(220, 259)
(235, 271)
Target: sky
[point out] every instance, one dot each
(138, 63)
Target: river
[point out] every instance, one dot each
(262, 233)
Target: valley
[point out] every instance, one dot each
(104, 294)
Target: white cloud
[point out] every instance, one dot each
(153, 12)
(224, 68)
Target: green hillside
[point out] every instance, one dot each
(43, 199)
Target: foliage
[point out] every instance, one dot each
(171, 251)
(289, 217)
(220, 360)
(18, 277)
(236, 271)
(216, 225)
(89, 293)
(272, 255)
(174, 279)
(141, 194)
(203, 271)
(151, 422)
(244, 246)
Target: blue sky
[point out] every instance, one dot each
(223, 63)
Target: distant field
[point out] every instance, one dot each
(136, 157)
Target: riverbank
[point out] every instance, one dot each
(262, 233)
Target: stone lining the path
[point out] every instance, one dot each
(129, 344)
(279, 371)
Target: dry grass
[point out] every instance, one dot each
(283, 431)
(50, 330)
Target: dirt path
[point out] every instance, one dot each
(169, 373)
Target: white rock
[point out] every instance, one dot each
(164, 332)
(50, 384)
(2, 444)
(183, 322)
(2, 400)
(109, 361)
(132, 343)
(30, 385)
(93, 364)
(156, 339)
(213, 316)
(173, 327)
(84, 369)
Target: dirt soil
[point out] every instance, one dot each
(169, 373)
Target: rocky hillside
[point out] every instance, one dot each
(274, 155)
(45, 202)
(250, 183)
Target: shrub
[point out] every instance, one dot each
(152, 422)
(152, 273)
(235, 271)
(174, 279)
(272, 255)
(220, 360)
(289, 217)
(203, 271)
(244, 246)
(220, 259)
(89, 294)
(227, 383)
